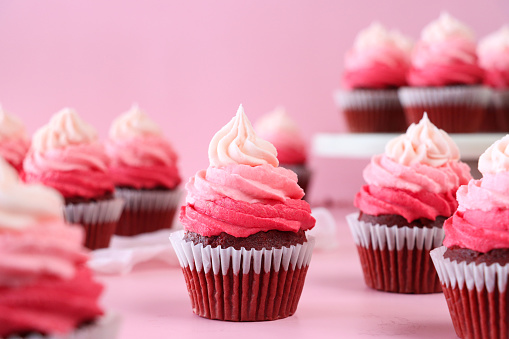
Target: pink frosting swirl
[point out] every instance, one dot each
(445, 55)
(493, 51)
(66, 155)
(140, 156)
(280, 130)
(243, 191)
(242, 200)
(379, 59)
(14, 142)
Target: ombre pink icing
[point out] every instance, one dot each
(481, 222)
(493, 51)
(445, 55)
(379, 59)
(416, 178)
(140, 156)
(243, 192)
(14, 142)
(280, 130)
(66, 155)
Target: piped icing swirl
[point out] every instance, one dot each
(243, 191)
(417, 177)
(278, 128)
(481, 222)
(66, 155)
(14, 142)
(378, 59)
(140, 156)
(44, 282)
(445, 55)
(493, 51)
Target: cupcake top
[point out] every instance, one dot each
(445, 55)
(14, 140)
(140, 156)
(379, 59)
(65, 154)
(243, 191)
(278, 128)
(42, 262)
(481, 222)
(493, 51)
(417, 177)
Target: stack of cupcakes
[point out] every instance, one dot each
(278, 128)
(473, 264)
(144, 170)
(445, 79)
(374, 69)
(243, 251)
(65, 154)
(410, 192)
(46, 289)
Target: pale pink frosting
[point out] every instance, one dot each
(66, 155)
(416, 178)
(279, 129)
(14, 142)
(44, 284)
(243, 191)
(237, 143)
(445, 55)
(140, 156)
(378, 59)
(423, 143)
(496, 158)
(493, 51)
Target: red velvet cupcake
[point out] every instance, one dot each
(144, 169)
(473, 264)
(66, 155)
(243, 251)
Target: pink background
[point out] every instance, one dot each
(189, 64)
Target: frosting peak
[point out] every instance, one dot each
(422, 143)
(496, 158)
(446, 27)
(64, 129)
(133, 123)
(11, 127)
(237, 143)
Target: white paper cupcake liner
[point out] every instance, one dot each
(149, 200)
(103, 211)
(467, 96)
(200, 258)
(453, 274)
(366, 99)
(106, 327)
(393, 237)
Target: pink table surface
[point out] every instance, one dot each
(335, 303)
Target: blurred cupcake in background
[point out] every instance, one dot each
(374, 69)
(46, 288)
(278, 128)
(445, 79)
(144, 169)
(493, 51)
(473, 264)
(410, 192)
(14, 141)
(65, 154)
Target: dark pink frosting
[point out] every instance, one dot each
(242, 200)
(497, 78)
(377, 76)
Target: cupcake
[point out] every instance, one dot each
(374, 69)
(243, 251)
(14, 142)
(66, 155)
(278, 128)
(409, 194)
(493, 53)
(46, 288)
(144, 170)
(473, 264)
(444, 78)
